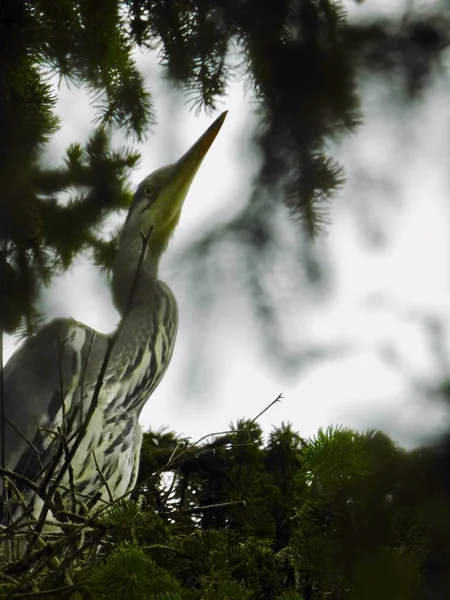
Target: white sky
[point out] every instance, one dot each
(405, 190)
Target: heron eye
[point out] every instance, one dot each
(148, 191)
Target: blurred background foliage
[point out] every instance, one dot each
(302, 60)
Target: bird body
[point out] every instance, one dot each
(67, 355)
(72, 396)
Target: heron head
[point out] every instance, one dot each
(159, 198)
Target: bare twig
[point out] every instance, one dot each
(102, 477)
(61, 378)
(55, 591)
(2, 379)
(174, 459)
(83, 373)
(207, 507)
(279, 398)
(172, 485)
(27, 440)
(13, 475)
(70, 470)
(174, 451)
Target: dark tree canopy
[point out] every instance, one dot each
(299, 58)
(343, 515)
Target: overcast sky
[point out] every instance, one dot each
(397, 190)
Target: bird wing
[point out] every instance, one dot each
(46, 369)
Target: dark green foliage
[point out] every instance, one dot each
(333, 516)
(34, 227)
(305, 64)
(294, 59)
(86, 42)
(349, 524)
(300, 60)
(129, 574)
(38, 231)
(344, 515)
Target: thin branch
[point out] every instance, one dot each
(7, 578)
(42, 594)
(172, 485)
(7, 540)
(27, 440)
(70, 470)
(174, 451)
(174, 459)
(61, 378)
(13, 475)
(102, 477)
(24, 528)
(2, 379)
(207, 507)
(83, 373)
(279, 398)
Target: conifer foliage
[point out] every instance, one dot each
(49, 214)
(298, 57)
(340, 515)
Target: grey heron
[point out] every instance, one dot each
(71, 396)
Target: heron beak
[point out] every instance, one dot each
(190, 162)
(187, 166)
(184, 171)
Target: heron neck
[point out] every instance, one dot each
(132, 285)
